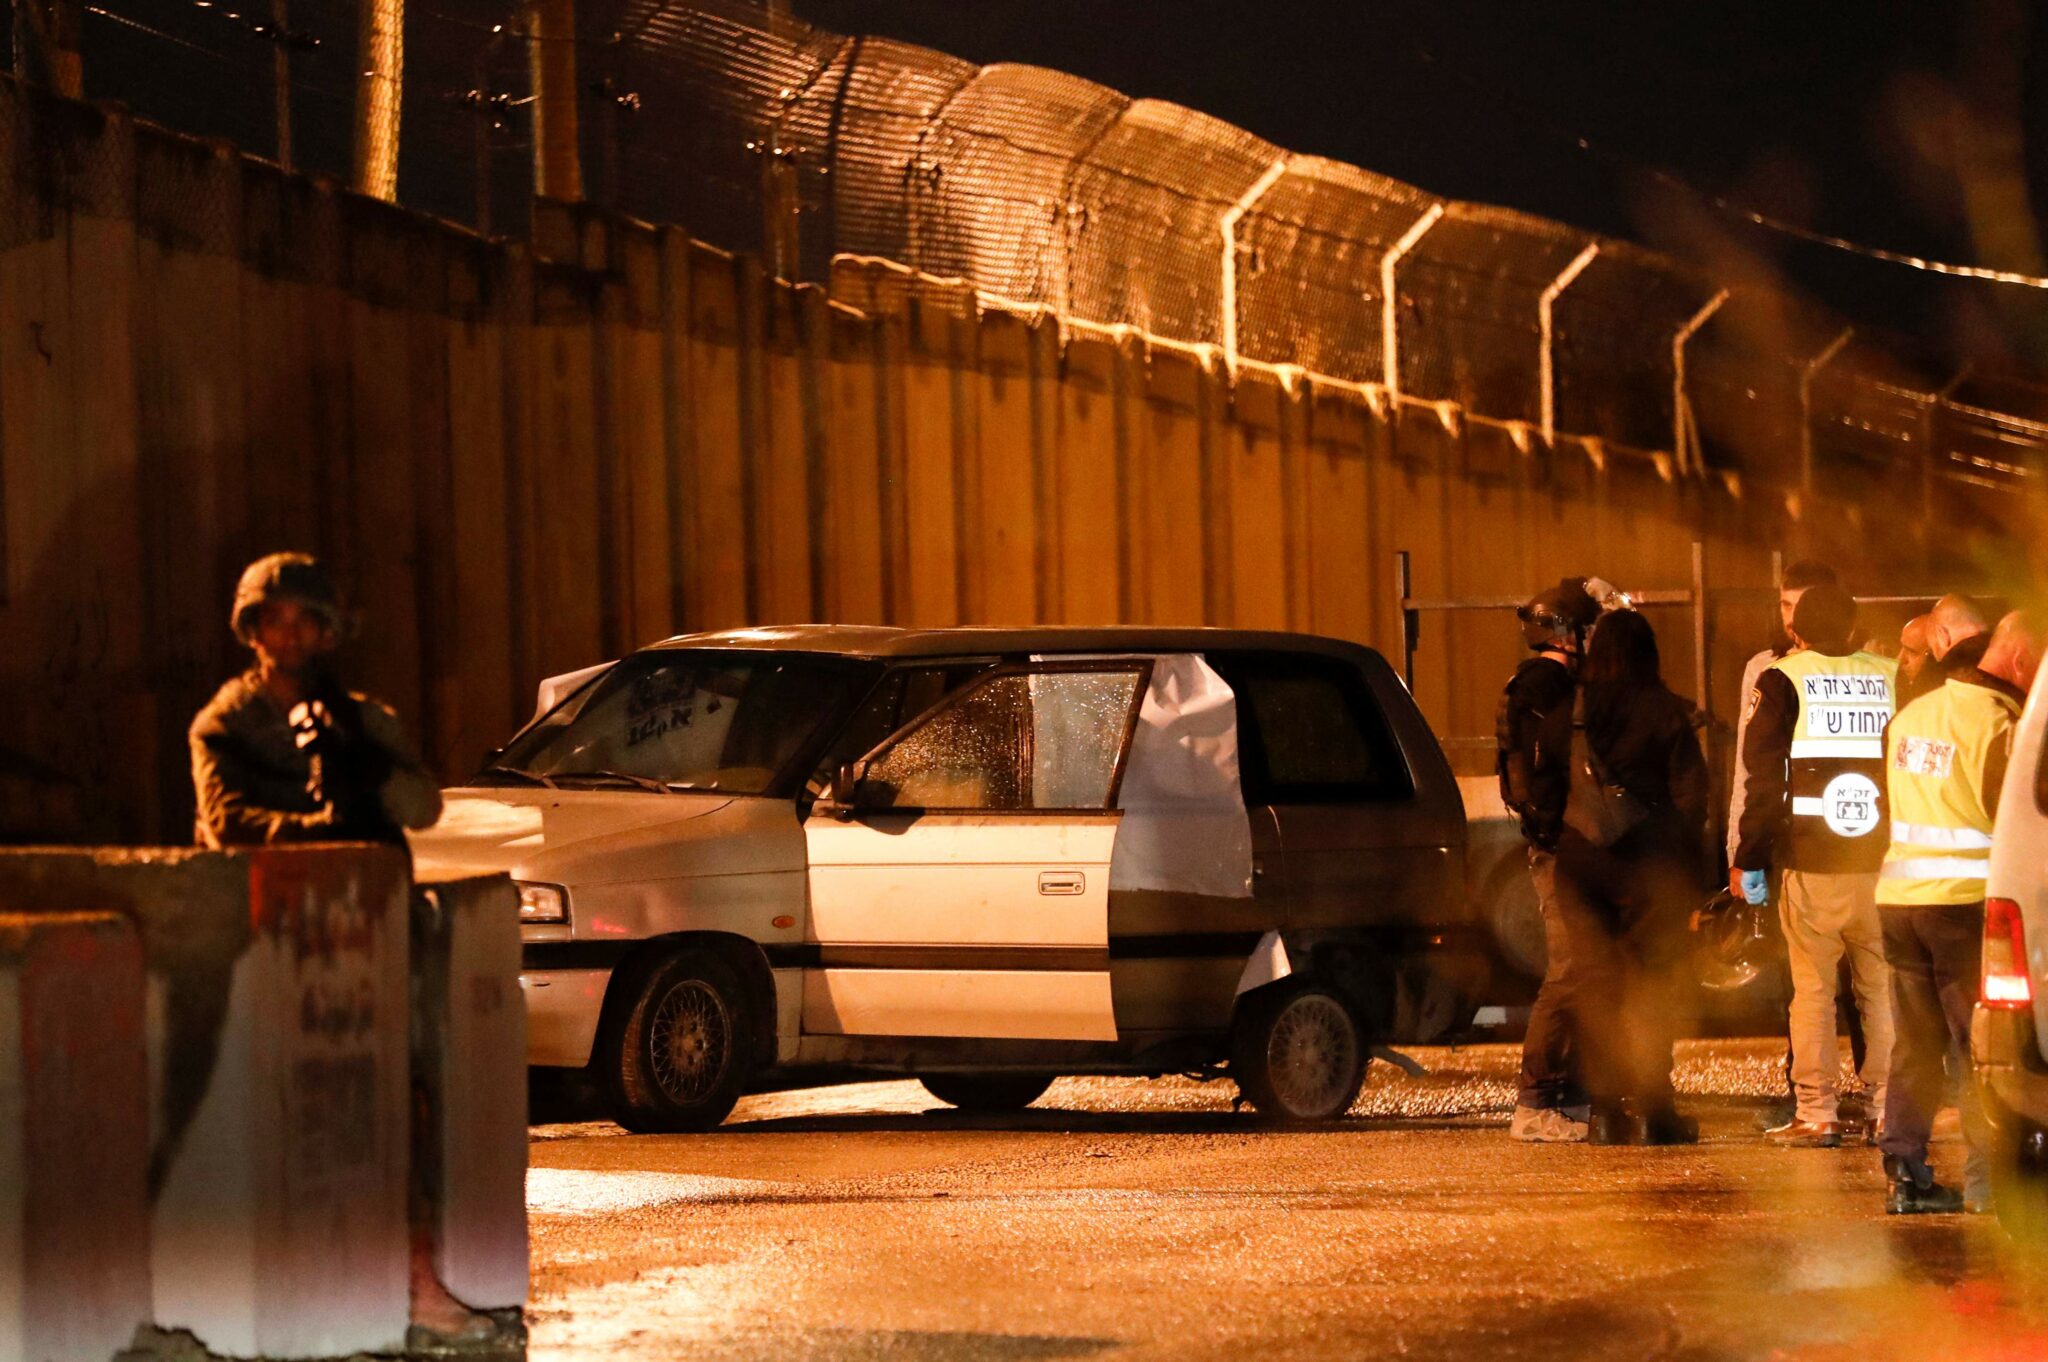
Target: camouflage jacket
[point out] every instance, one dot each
(255, 785)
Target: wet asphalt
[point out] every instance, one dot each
(1135, 1219)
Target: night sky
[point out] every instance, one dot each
(1898, 126)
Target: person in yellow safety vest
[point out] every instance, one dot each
(1813, 757)
(1945, 760)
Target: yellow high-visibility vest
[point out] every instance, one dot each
(1935, 759)
(1837, 755)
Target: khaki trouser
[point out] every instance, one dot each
(1826, 917)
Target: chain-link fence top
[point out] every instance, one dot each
(1147, 202)
(882, 114)
(1467, 297)
(991, 182)
(729, 82)
(1308, 260)
(760, 133)
(1613, 328)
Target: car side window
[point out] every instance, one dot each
(902, 694)
(1025, 740)
(1309, 732)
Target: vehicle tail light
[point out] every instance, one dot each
(2005, 980)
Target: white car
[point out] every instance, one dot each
(2012, 1008)
(984, 857)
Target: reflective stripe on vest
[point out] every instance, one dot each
(1937, 757)
(1836, 769)
(1935, 868)
(1922, 835)
(1855, 749)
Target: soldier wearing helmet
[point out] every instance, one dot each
(284, 752)
(1551, 1107)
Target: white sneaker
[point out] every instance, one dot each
(1545, 1125)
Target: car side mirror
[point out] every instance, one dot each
(845, 782)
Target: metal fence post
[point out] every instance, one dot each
(557, 156)
(380, 68)
(281, 81)
(1681, 405)
(1546, 361)
(1702, 675)
(1390, 312)
(1806, 373)
(1228, 226)
(1405, 617)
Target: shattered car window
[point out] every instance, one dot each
(1040, 741)
(699, 720)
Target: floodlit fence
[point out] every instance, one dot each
(765, 135)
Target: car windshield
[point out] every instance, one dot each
(684, 720)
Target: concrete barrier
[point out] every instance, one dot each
(469, 1068)
(278, 1088)
(74, 1148)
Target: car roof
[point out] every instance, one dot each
(882, 641)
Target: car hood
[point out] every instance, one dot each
(553, 836)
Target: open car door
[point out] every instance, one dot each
(959, 878)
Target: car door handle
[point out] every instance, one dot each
(1061, 882)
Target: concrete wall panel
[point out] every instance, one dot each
(719, 525)
(1089, 455)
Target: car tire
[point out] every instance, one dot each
(1297, 1052)
(2019, 1186)
(678, 1054)
(987, 1092)
(1514, 917)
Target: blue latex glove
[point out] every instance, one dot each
(1755, 887)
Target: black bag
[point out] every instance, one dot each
(1597, 808)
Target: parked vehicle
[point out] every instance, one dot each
(2011, 1017)
(983, 857)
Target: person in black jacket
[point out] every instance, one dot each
(1625, 898)
(1811, 840)
(1550, 1107)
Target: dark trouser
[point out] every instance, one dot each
(1624, 918)
(1935, 954)
(1548, 1075)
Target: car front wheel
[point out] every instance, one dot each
(1297, 1052)
(987, 1092)
(677, 1057)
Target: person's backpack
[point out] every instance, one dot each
(1597, 807)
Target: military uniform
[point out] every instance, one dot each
(1531, 786)
(256, 785)
(338, 767)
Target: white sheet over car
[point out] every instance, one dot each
(1184, 825)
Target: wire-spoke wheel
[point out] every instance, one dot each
(678, 1054)
(1297, 1052)
(689, 1041)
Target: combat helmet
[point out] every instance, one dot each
(283, 577)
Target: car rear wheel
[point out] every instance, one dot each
(677, 1057)
(987, 1092)
(1297, 1052)
(2019, 1186)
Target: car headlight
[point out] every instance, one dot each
(543, 903)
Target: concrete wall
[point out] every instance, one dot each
(522, 460)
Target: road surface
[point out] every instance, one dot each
(1138, 1220)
